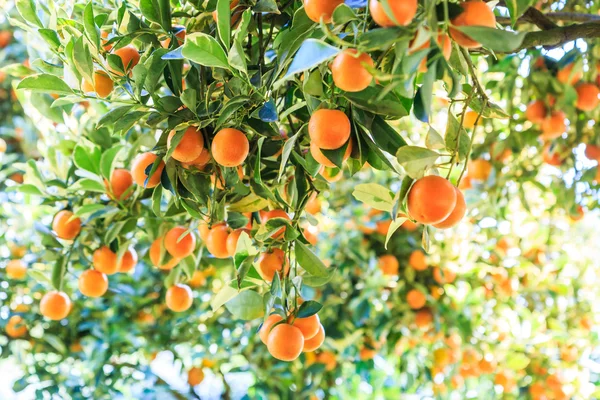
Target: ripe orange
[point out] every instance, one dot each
(506, 381)
(55, 305)
(16, 328)
(479, 169)
(232, 240)
(309, 326)
(105, 260)
(216, 241)
(388, 264)
(349, 70)
(129, 57)
(313, 205)
(554, 125)
(190, 147)
(329, 129)
(179, 248)
(128, 261)
(64, 227)
(271, 262)
(323, 160)
(155, 250)
(415, 299)
(592, 152)
(403, 12)
(120, 182)
(5, 38)
(198, 279)
(367, 353)
(316, 341)
(195, 376)
(179, 297)
(431, 200)
(424, 318)
(139, 166)
(587, 96)
(267, 215)
(102, 85)
(475, 13)
(93, 283)
(285, 342)
(457, 213)
(16, 269)
(200, 161)
(443, 276)
(470, 118)
(417, 260)
(266, 327)
(552, 158)
(567, 75)
(230, 147)
(443, 42)
(382, 227)
(317, 9)
(179, 31)
(536, 112)
(105, 39)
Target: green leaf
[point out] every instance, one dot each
(313, 52)
(374, 195)
(285, 155)
(369, 99)
(309, 308)
(89, 185)
(516, 8)
(517, 361)
(55, 342)
(223, 296)
(39, 276)
(113, 115)
(316, 281)
(28, 12)
(17, 70)
(224, 22)
(58, 273)
(308, 260)
(51, 37)
(385, 136)
(89, 209)
(434, 140)
(45, 83)
(494, 39)
(247, 305)
(416, 160)
(29, 189)
(453, 133)
(204, 50)
(90, 25)
(83, 59)
(86, 160)
(266, 6)
(343, 14)
(150, 10)
(397, 223)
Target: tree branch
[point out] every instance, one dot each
(552, 38)
(556, 17)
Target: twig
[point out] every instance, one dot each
(556, 17)
(556, 37)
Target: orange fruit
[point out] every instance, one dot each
(105, 260)
(443, 276)
(55, 305)
(93, 283)
(457, 213)
(177, 246)
(475, 13)
(120, 182)
(309, 326)
(179, 297)
(403, 12)
(417, 260)
(316, 341)
(566, 75)
(195, 376)
(470, 119)
(554, 125)
(105, 39)
(323, 160)
(138, 170)
(65, 226)
(16, 269)
(16, 328)
(366, 354)
(592, 152)
(271, 262)
(313, 205)
(128, 260)
(5, 38)
(129, 57)
(190, 147)
(317, 9)
(266, 327)
(327, 358)
(587, 96)
(415, 299)
(328, 129)
(232, 240)
(102, 85)
(444, 44)
(552, 158)
(388, 264)
(431, 200)
(479, 169)
(267, 215)
(198, 279)
(349, 70)
(200, 161)
(216, 241)
(285, 342)
(155, 250)
(179, 31)
(424, 318)
(536, 112)
(579, 213)
(230, 147)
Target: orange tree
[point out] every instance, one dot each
(203, 130)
